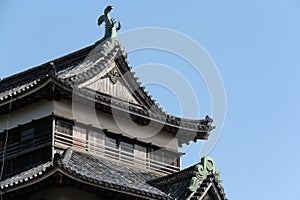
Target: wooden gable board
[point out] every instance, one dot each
(110, 81)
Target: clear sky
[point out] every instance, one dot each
(255, 45)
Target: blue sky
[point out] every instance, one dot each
(255, 45)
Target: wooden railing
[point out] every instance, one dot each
(62, 140)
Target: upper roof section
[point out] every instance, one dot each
(101, 68)
(99, 73)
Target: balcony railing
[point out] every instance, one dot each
(62, 140)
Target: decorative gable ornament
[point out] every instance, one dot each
(205, 168)
(114, 75)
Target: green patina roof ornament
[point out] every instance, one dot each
(202, 170)
(110, 28)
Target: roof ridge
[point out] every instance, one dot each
(42, 68)
(172, 178)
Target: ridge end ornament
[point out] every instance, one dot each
(110, 24)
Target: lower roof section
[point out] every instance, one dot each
(87, 169)
(90, 173)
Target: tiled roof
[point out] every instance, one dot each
(26, 175)
(96, 170)
(82, 65)
(94, 62)
(22, 82)
(176, 184)
(71, 70)
(113, 175)
(108, 174)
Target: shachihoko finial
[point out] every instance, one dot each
(110, 28)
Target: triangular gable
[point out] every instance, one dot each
(213, 191)
(105, 70)
(110, 81)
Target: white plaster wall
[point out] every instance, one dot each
(27, 114)
(87, 115)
